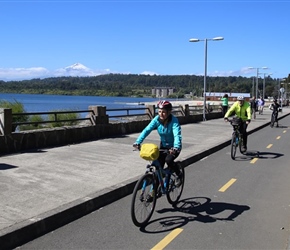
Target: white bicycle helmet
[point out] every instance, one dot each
(240, 98)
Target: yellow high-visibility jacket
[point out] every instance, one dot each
(243, 112)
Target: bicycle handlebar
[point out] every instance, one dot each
(160, 150)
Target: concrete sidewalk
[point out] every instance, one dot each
(45, 189)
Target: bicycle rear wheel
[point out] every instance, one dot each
(233, 146)
(174, 189)
(143, 200)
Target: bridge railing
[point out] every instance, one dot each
(98, 123)
(54, 115)
(96, 115)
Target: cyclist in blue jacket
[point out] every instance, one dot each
(169, 130)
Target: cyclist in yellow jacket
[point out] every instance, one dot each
(241, 109)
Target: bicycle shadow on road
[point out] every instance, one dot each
(247, 156)
(280, 126)
(250, 155)
(269, 155)
(200, 209)
(4, 166)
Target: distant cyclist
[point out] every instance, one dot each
(225, 103)
(275, 106)
(254, 106)
(261, 103)
(241, 109)
(169, 130)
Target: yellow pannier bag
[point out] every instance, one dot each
(149, 152)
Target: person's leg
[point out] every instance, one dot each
(276, 119)
(169, 159)
(161, 158)
(225, 109)
(243, 131)
(254, 113)
(245, 134)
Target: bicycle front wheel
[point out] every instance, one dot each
(233, 146)
(143, 200)
(175, 186)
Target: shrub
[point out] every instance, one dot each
(33, 118)
(63, 116)
(16, 107)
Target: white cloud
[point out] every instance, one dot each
(80, 70)
(151, 73)
(76, 69)
(241, 72)
(22, 73)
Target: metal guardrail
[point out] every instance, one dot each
(120, 114)
(127, 112)
(55, 113)
(198, 109)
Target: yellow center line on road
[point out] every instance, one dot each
(284, 131)
(254, 160)
(227, 185)
(278, 137)
(167, 239)
(270, 145)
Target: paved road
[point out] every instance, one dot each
(44, 189)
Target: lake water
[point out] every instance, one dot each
(46, 103)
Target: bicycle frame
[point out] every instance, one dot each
(156, 169)
(236, 131)
(237, 139)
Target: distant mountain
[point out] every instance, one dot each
(77, 66)
(76, 69)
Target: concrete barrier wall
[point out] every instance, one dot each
(14, 142)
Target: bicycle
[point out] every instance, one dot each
(273, 119)
(146, 192)
(237, 137)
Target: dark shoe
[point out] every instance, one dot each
(244, 149)
(149, 198)
(178, 180)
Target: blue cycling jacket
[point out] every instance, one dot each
(170, 133)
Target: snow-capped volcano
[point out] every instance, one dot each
(76, 69)
(77, 66)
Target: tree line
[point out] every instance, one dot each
(138, 85)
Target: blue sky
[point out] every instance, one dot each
(41, 38)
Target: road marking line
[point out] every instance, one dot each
(270, 145)
(227, 185)
(254, 160)
(278, 137)
(284, 131)
(167, 239)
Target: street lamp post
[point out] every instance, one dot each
(253, 86)
(257, 81)
(205, 66)
(264, 83)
